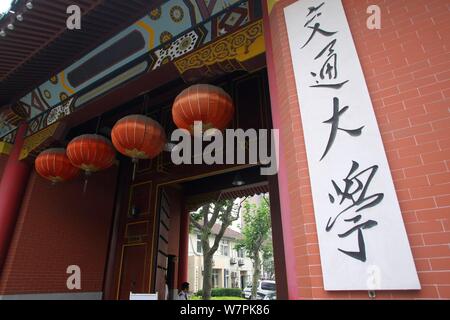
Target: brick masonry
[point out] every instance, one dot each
(407, 69)
(60, 226)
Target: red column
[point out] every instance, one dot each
(12, 187)
(275, 80)
(184, 248)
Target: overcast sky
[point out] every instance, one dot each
(4, 5)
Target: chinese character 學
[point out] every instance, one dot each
(355, 191)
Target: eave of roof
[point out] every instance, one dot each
(41, 45)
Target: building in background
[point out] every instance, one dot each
(231, 267)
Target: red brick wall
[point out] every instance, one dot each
(58, 226)
(407, 69)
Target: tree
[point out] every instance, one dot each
(267, 257)
(203, 220)
(256, 232)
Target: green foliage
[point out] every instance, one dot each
(267, 251)
(203, 220)
(257, 228)
(222, 292)
(256, 235)
(267, 257)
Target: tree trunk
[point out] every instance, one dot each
(256, 274)
(207, 276)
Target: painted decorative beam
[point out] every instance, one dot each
(238, 39)
(35, 143)
(168, 32)
(230, 53)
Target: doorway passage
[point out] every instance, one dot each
(232, 267)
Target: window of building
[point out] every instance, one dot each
(199, 244)
(241, 253)
(225, 248)
(226, 278)
(215, 278)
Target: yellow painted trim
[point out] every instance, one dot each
(33, 142)
(151, 33)
(241, 46)
(5, 147)
(64, 84)
(132, 188)
(271, 4)
(133, 224)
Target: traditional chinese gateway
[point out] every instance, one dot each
(360, 203)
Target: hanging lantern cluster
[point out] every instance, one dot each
(137, 136)
(203, 102)
(89, 152)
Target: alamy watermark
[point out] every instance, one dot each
(374, 20)
(233, 147)
(74, 280)
(74, 20)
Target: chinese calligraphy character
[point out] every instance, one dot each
(355, 191)
(311, 11)
(329, 68)
(316, 29)
(334, 121)
(314, 9)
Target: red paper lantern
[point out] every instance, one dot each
(91, 153)
(203, 102)
(138, 137)
(54, 165)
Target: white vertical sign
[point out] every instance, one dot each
(362, 238)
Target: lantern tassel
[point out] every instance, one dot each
(135, 161)
(86, 179)
(85, 185)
